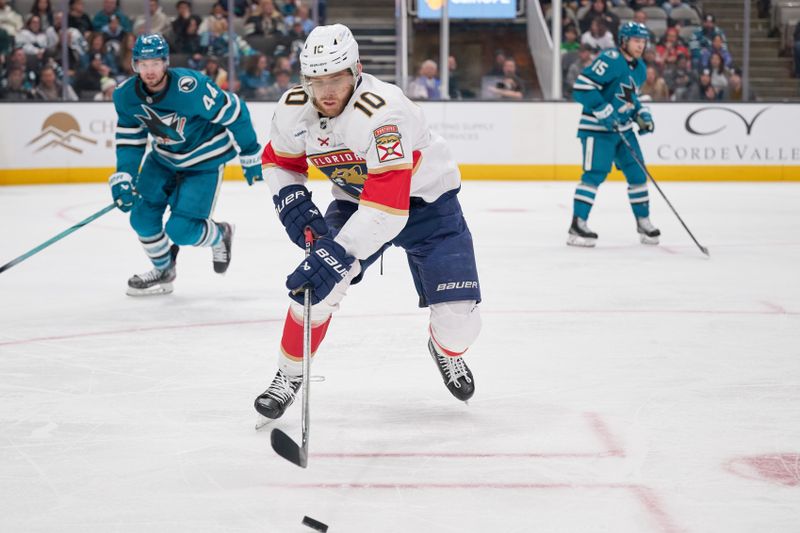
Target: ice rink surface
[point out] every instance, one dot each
(622, 389)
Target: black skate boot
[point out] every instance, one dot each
(580, 234)
(155, 281)
(648, 233)
(274, 401)
(455, 372)
(222, 251)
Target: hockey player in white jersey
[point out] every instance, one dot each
(394, 183)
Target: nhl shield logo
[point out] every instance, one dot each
(388, 144)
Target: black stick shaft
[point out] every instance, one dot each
(658, 188)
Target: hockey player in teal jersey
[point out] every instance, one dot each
(189, 119)
(608, 91)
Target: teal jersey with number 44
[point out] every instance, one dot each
(191, 123)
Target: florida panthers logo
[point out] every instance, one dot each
(348, 175)
(167, 129)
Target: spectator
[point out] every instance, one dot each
(669, 5)
(570, 42)
(654, 86)
(256, 79)
(44, 11)
(703, 91)
(719, 74)
(265, 19)
(679, 78)
(507, 89)
(159, 21)
(218, 74)
(717, 47)
(283, 63)
(77, 45)
(124, 68)
(110, 7)
(50, 89)
(302, 16)
(10, 20)
(32, 37)
(510, 71)
(668, 49)
(184, 9)
(585, 58)
(499, 61)
(78, 19)
(19, 59)
(703, 38)
(797, 51)
(113, 32)
(568, 19)
(14, 87)
(6, 44)
(88, 82)
(426, 86)
(640, 16)
(599, 9)
(97, 46)
(189, 41)
(453, 79)
(735, 92)
(218, 12)
(107, 87)
(598, 36)
(283, 82)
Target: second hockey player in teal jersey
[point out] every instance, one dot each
(608, 90)
(195, 127)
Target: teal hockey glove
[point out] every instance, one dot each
(645, 121)
(122, 191)
(607, 116)
(251, 166)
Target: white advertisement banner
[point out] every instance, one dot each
(490, 135)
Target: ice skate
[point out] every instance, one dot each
(455, 373)
(155, 281)
(648, 233)
(580, 234)
(273, 402)
(222, 251)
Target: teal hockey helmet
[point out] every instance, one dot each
(150, 46)
(631, 30)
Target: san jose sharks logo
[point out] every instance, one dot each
(627, 96)
(167, 129)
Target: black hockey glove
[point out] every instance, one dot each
(296, 211)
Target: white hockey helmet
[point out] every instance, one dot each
(328, 50)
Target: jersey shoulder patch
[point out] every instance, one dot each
(611, 54)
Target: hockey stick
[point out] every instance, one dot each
(57, 238)
(664, 196)
(281, 442)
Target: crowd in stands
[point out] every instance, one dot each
(687, 59)
(268, 37)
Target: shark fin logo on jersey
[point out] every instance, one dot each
(167, 129)
(387, 143)
(628, 96)
(187, 84)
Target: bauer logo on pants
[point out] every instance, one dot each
(387, 142)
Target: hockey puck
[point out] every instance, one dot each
(314, 524)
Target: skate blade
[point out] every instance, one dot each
(644, 239)
(263, 422)
(577, 240)
(155, 290)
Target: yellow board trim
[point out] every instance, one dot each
(37, 176)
